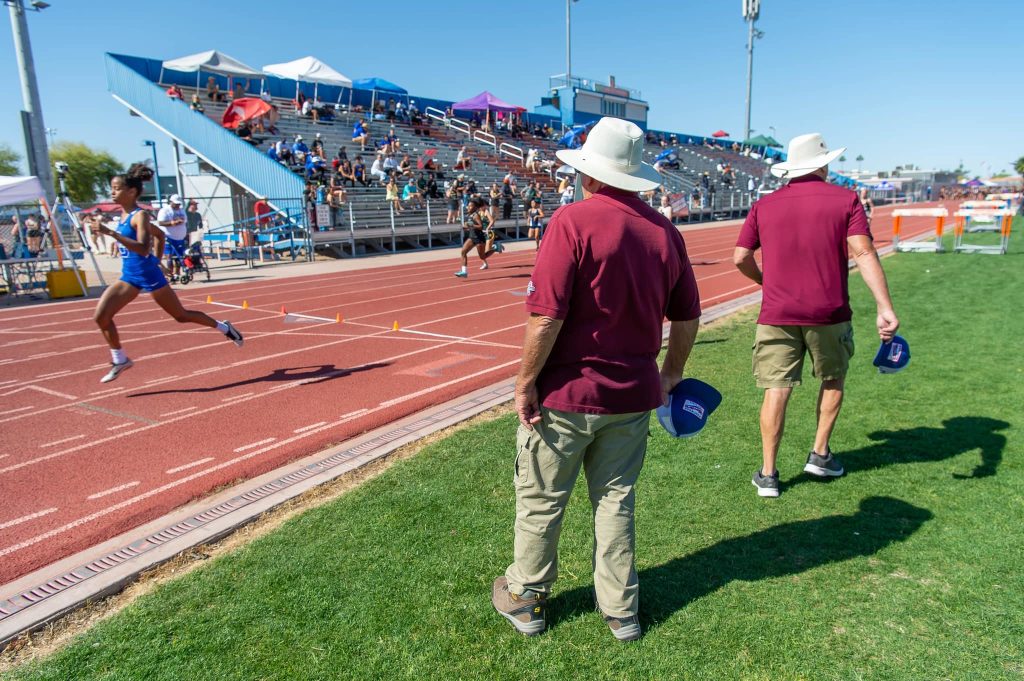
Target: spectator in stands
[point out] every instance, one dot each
(391, 195)
(299, 149)
(345, 173)
(265, 96)
(284, 151)
(174, 92)
(318, 146)
(263, 213)
(315, 167)
(310, 111)
(272, 151)
(244, 132)
(414, 113)
(401, 113)
(359, 172)
(197, 104)
(751, 187)
(454, 195)
(568, 194)
(193, 219)
(342, 153)
(462, 161)
(213, 92)
(495, 200)
(433, 191)
(529, 195)
(405, 166)
(360, 134)
(410, 193)
(238, 91)
(531, 160)
(377, 169)
(391, 108)
(507, 195)
(696, 199)
(666, 207)
(390, 165)
(474, 120)
(337, 196)
(511, 179)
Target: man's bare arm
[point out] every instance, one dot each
(541, 333)
(743, 258)
(864, 254)
(681, 337)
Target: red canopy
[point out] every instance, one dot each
(720, 133)
(243, 109)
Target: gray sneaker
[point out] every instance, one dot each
(623, 628)
(525, 611)
(767, 485)
(826, 466)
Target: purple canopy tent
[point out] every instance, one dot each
(485, 101)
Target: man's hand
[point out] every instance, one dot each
(887, 324)
(527, 404)
(667, 383)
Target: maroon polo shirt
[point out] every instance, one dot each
(612, 268)
(801, 230)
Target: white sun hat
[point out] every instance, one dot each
(613, 155)
(806, 154)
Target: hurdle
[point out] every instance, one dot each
(964, 217)
(919, 246)
(983, 217)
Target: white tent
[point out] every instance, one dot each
(210, 61)
(20, 190)
(308, 70)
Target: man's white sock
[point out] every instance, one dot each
(118, 356)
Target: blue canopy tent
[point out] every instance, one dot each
(376, 85)
(665, 154)
(571, 139)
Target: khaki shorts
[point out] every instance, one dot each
(779, 353)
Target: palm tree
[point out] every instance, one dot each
(859, 159)
(842, 160)
(1018, 166)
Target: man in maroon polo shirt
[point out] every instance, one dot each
(806, 232)
(609, 271)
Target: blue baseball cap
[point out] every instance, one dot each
(892, 356)
(689, 405)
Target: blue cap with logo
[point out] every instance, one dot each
(689, 405)
(892, 356)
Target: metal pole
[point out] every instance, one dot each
(568, 48)
(156, 177)
(37, 156)
(750, 74)
(430, 236)
(391, 208)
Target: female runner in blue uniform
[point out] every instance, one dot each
(140, 271)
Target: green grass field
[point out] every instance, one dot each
(909, 567)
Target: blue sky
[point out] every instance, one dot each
(897, 81)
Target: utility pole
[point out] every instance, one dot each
(37, 153)
(568, 44)
(751, 11)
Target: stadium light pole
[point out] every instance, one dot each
(568, 42)
(37, 154)
(751, 11)
(156, 172)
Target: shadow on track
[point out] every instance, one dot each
(306, 375)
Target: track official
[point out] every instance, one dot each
(609, 271)
(806, 232)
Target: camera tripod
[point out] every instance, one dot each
(64, 200)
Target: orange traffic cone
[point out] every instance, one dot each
(283, 311)
(245, 304)
(394, 327)
(209, 299)
(338, 319)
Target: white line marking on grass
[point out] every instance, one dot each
(312, 425)
(188, 465)
(26, 518)
(178, 411)
(60, 442)
(236, 397)
(113, 490)
(15, 411)
(254, 444)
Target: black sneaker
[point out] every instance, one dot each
(525, 611)
(767, 485)
(826, 466)
(233, 335)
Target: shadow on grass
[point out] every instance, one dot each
(307, 375)
(922, 445)
(787, 549)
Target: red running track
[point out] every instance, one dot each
(81, 461)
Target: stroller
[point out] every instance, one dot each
(192, 263)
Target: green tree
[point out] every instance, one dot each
(89, 170)
(842, 160)
(9, 160)
(859, 160)
(1018, 166)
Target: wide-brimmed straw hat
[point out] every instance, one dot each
(612, 154)
(806, 154)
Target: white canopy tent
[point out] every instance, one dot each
(308, 70)
(210, 61)
(20, 190)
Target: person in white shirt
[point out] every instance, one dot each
(377, 170)
(171, 220)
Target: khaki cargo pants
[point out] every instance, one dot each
(610, 449)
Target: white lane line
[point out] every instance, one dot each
(41, 355)
(178, 411)
(312, 425)
(8, 382)
(237, 397)
(15, 411)
(113, 490)
(4, 456)
(161, 380)
(107, 390)
(60, 442)
(254, 445)
(123, 425)
(55, 373)
(353, 413)
(26, 518)
(188, 465)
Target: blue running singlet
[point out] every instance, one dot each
(141, 271)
